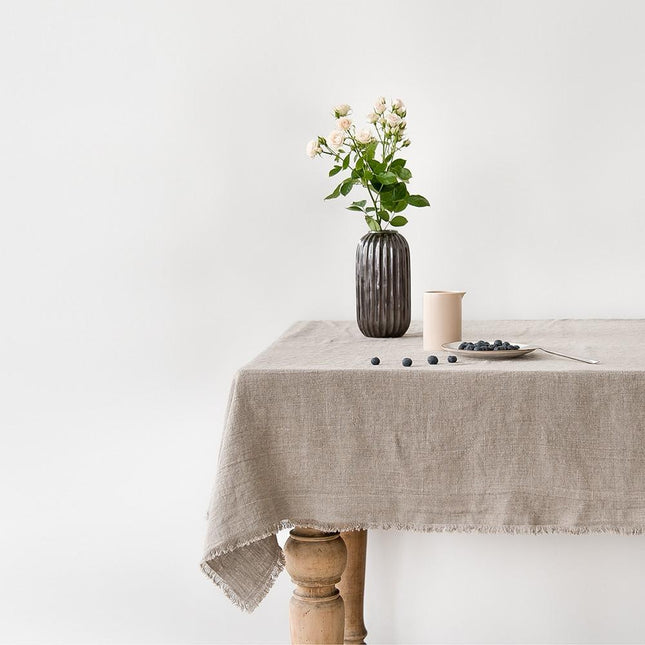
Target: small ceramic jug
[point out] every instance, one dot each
(441, 318)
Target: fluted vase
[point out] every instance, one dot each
(383, 299)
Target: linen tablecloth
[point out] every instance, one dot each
(316, 436)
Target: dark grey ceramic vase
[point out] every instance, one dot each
(383, 299)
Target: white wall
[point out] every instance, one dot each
(161, 224)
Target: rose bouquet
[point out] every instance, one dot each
(370, 156)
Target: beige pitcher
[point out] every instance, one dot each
(441, 318)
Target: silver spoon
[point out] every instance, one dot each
(573, 358)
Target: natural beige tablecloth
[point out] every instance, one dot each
(317, 436)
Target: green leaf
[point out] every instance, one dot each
(399, 206)
(386, 178)
(370, 209)
(355, 208)
(372, 223)
(359, 164)
(400, 191)
(346, 186)
(383, 214)
(399, 220)
(361, 203)
(370, 150)
(399, 169)
(346, 162)
(381, 188)
(386, 200)
(335, 193)
(418, 200)
(334, 171)
(377, 185)
(376, 166)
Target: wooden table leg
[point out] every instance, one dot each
(315, 562)
(352, 585)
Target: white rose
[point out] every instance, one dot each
(372, 117)
(380, 100)
(364, 135)
(344, 123)
(342, 110)
(336, 139)
(392, 119)
(379, 108)
(313, 148)
(403, 125)
(398, 105)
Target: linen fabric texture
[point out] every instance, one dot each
(316, 436)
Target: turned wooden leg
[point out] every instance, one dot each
(352, 585)
(315, 562)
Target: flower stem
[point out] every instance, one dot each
(366, 184)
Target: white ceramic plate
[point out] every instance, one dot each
(502, 353)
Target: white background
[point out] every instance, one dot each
(161, 225)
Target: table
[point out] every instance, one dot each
(320, 441)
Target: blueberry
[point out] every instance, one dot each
(463, 345)
(471, 347)
(515, 346)
(406, 362)
(433, 360)
(497, 342)
(452, 359)
(376, 361)
(496, 348)
(476, 348)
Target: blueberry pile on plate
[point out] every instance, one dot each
(485, 346)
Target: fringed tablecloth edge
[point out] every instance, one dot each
(519, 529)
(250, 604)
(245, 605)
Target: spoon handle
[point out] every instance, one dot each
(573, 358)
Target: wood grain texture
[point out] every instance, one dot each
(315, 561)
(352, 585)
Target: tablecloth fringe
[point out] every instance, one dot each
(245, 605)
(515, 529)
(249, 604)
(518, 529)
